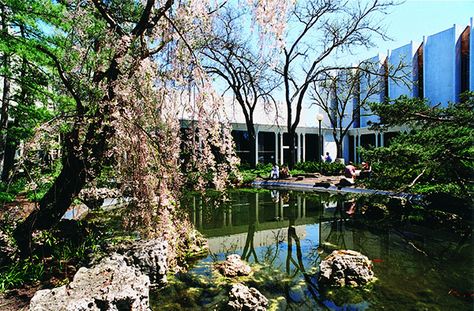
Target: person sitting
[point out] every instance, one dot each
(327, 158)
(350, 170)
(275, 173)
(366, 170)
(284, 173)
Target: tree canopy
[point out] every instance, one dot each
(435, 154)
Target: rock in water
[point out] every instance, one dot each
(233, 266)
(246, 299)
(151, 258)
(111, 285)
(346, 267)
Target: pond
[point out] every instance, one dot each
(286, 234)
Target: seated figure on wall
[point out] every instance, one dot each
(275, 173)
(284, 173)
(327, 158)
(366, 170)
(350, 171)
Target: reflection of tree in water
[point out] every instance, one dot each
(298, 264)
(271, 252)
(337, 231)
(249, 248)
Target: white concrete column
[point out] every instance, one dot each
(256, 147)
(382, 144)
(376, 139)
(304, 147)
(281, 148)
(276, 147)
(298, 148)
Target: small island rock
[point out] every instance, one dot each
(233, 266)
(345, 267)
(246, 299)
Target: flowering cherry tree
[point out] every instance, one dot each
(126, 66)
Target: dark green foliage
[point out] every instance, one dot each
(249, 174)
(436, 156)
(6, 197)
(21, 272)
(59, 250)
(9, 191)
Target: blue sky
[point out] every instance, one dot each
(415, 18)
(409, 21)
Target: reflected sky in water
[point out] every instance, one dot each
(287, 234)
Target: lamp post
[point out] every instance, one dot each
(319, 118)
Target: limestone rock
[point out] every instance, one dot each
(346, 267)
(246, 299)
(111, 285)
(233, 266)
(150, 257)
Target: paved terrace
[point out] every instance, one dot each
(320, 183)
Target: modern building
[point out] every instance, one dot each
(438, 69)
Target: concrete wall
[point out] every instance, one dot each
(442, 66)
(371, 87)
(403, 62)
(329, 145)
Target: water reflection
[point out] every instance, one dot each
(289, 232)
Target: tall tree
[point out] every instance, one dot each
(231, 56)
(122, 64)
(28, 88)
(435, 157)
(338, 93)
(6, 75)
(320, 29)
(109, 49)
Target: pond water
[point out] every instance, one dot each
(286, 234)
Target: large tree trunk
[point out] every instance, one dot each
(338, 148)
(253, 151)
(6, 90)
(55, 202)
(252, 141)
(4, 110)
(292, 153)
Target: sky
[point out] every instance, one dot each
(413, 19)
(409, 21)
